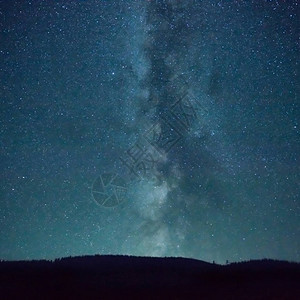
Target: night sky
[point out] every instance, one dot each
(152, 128)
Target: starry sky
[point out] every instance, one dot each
(153, 128)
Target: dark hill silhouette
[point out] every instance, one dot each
(129, 277)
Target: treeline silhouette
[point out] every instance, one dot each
(130, 277)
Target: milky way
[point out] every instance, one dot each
(160, 128)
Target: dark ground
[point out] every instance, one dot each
(125, 277)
